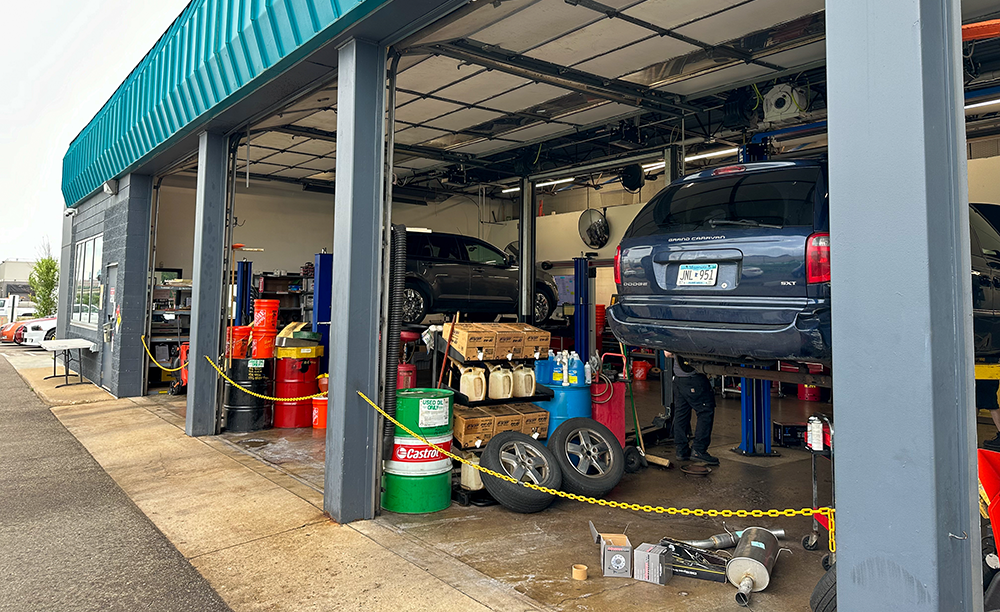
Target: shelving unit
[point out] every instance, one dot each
(294, 295)
(542, 393)
(170, 325)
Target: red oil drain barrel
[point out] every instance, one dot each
(295, 378)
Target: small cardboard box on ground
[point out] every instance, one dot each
(652, 563)
(505, 419)
(471, 425)
(471, 339)
(616, 552)
(536, 420)
(509, 341)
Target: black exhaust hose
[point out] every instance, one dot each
(397, 281)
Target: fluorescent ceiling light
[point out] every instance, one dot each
(720, 153)
(654, 166)
(511, 190)
(557, 182)
(980, 104)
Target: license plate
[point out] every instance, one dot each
(697, 275)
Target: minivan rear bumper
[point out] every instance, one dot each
(806, 339)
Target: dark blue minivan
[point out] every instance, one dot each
(733, 265)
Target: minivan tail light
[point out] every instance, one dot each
(818, 258)
(618, 265)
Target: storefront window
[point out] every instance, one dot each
(87, 278)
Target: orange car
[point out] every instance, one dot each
(7, 331)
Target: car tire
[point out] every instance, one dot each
(51, 334)
(416, 304)
(544, 305)
(509, 453)
(824, 596)
(590, 457)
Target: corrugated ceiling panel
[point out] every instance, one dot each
(203, 64)
(320, 163)
(422, 110)
(323, 120)
(525, 97)
(484, 85)
(588, 42)
(797, 57)
(274, 140)
(417, 135)
(672, 13)
(463, 119)
(282, 118)
(540, 22)
(262, 168)
(418, 163)
(314, 147)
(537, 131)
(716, 79)
(485, 147)
(599, 113)
(295, 173)
(747, 18)
(635, 57)
(288, 159)
(433, 73)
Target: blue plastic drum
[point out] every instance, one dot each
(568, 403)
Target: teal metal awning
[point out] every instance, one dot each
(216, 53)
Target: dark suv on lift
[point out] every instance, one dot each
(733, 265)
(449, 273)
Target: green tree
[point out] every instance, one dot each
(44, 281)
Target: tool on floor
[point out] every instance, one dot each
(819, 443)
(750, 568)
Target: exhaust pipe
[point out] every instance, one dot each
(727, 540)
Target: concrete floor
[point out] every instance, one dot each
(535, 556)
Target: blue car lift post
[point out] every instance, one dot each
(755, 419)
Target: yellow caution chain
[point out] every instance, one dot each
(810, 512)
(263, 397)
(790, 512)
(153, 359)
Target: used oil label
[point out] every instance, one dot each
(433, 412)
(255, 363)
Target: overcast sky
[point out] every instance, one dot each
(60, 61)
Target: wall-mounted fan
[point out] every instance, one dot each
(594, 229)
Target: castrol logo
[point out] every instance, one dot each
(419, 453)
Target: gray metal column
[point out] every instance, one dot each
(209, 248)
(907, 525)
(352, 426)
(526, 258)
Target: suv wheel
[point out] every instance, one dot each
(543, 306)
(414, 306)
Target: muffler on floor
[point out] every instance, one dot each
(750, 568)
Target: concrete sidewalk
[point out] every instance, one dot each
(71, 540)
(259, 535)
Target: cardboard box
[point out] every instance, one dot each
(471, 339)
(534, 340)
(505, 419)
(652, 563)
(471, 425)
(536, 420)
(616, 552)
(509, 340)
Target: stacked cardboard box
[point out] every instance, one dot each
(489, 341)
(471, 341)
(474, 427)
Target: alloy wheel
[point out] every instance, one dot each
(589, 453)
(524, 463)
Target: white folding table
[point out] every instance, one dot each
(66, 347)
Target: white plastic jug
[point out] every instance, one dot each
(473, 384)
(524, 381)
(501, 383)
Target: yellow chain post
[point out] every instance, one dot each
(143, 338)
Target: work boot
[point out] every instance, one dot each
(704, 458)
(992, 444)
(683, 454)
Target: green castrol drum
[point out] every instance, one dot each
(417, 479)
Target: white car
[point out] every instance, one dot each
(43, 329)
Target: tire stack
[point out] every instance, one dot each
(583, 457)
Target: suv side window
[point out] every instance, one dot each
(443, 247)
(989, 241)
(481, 253)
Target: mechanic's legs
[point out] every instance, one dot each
(682, 425)
(705, 412)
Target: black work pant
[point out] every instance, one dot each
(693, 393)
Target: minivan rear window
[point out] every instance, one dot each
(784, 198)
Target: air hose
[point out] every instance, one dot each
(397, 281)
